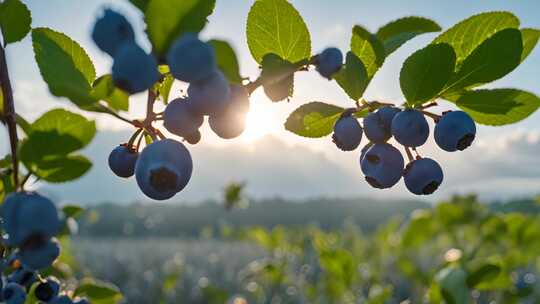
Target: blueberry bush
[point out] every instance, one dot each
(453, 68)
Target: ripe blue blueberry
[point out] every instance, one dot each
(14, 293)
(410, 128)
(61, 300)
(40, 255)
(423, 176)
(329, 62)
(347, 133)
(111, 31)
(180, 119)
(45, 291)
(232, 121)
(190, 59)
(382, 165)
(133, 69)
(378, 125)
(455, 131)
(163, 169)
(23, 277)
(210, 95)
(122, 161)
(26, 215)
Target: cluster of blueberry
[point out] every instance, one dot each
(164, 167)
(382, 164)
(33, 248)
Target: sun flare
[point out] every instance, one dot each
(259, 122)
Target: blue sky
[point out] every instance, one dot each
(503, 162)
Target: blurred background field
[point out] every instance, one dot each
(316, 251)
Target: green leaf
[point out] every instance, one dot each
(396, 33)
(104, 89)
(54, 136)
(530, 39)
(167, 20)
(60, 169)
(493, 59)
(276, 27)
(15, 20)
(353, 77)
(226, 60)
(368, 48)
(72, 210)
(5, 161)
(64, 65)
(23, 124)
(483, 273)
(277, 77)
(98, 291)
(453, 285)
(140, 4)
(498, 107)
(468, 34)
(425, 73)
(314, 119)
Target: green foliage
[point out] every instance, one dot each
(140, 4)
(99, 292)
(104, 89)
(470, 33)
(353, 77)
(425, 73)
(15, 20)
(226, 60)
(530, 39)
(64, 65)
(314, 119)
(167, 20)
(496, 107)
(494, 58)
(72, 210)
(276, 27)
(368, 48)
(54, 136)
(398, 32)
(277, 76)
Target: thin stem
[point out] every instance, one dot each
(429, 105)
(409, 154)
(25, 179)
(112, 113)
(433, 116)
(9, 114)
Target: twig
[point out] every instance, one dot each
(112, 113)
(409, 154)
(433, 116)
(9, 114)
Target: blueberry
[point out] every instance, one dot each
(163, 169)
(193, 138)
(133, 69)
(329, 62)
(23, 277)
(210, 95)
(232, 121)
(111, 31)
(26, 215)
(190, 59)
(39, 256)
(180, 119)
(378, 125)
(347, 133)
(60, 300)
(455, 131)
(423, 176)
(14, 293)
(122, 161)
(410, 128)
(382, 164)
(47, 290)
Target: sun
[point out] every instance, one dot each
(259, 122)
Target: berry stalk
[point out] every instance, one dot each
(9, 115)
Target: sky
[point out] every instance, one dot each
(502, 163)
